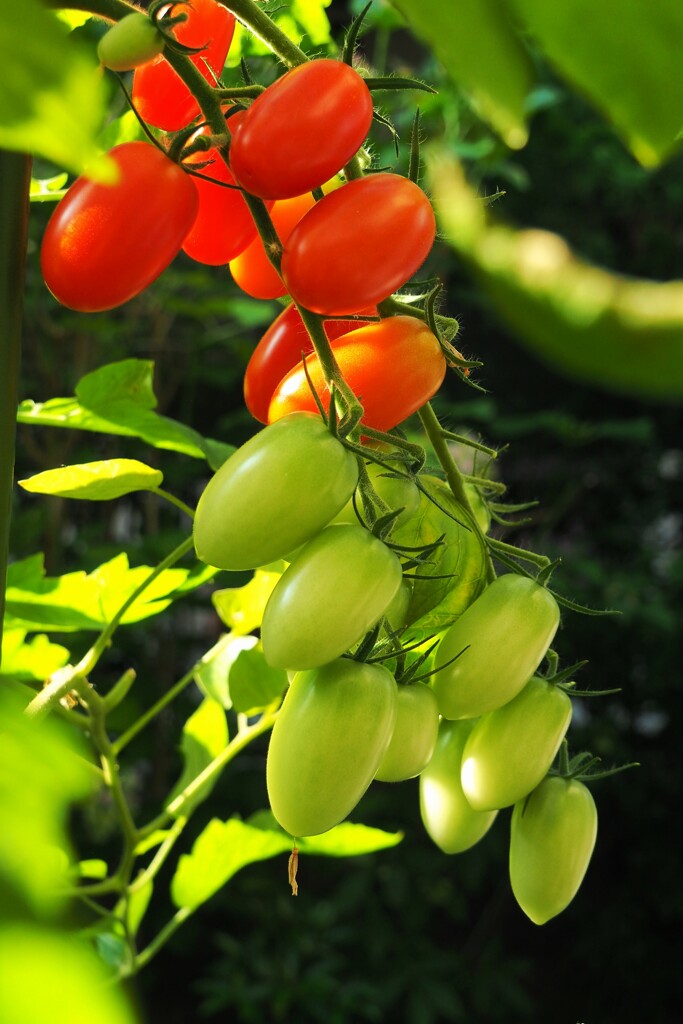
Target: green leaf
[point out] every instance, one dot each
(254, 685)
(619, 333)
(48, 189)
(241, 608)
(480, 50)
(212, 674)
(53, 97)
(30, 660)
(74, 19)
(134, 907)
(205, 735)
(96, 481)
(348, 839)
(93, 868)
(625, 57)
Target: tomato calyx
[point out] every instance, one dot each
(583, 766)
(161, 14)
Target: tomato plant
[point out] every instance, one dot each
(274, 493)
(130, 42)
(414, 735)
(497, 643)
(105, 243)
(509, 751)
(301, 130)
(552, 836)
(358, 245)
(396, 490)
(394, 367)
(252, 270)
(331, 732)
(338, 586)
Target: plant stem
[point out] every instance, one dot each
(150, 951)
(140, 723)
(175, 501)
(260, 25)
(157, 862)
(515, 552)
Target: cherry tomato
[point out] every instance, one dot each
(331, 732)
(159, 94)
(301, 130)
(276, 491)
(414, 737)
(281, 348)
(509, 751)
(358, 245)
(130, 42)
(552, 837)
(503, 637)
(105, 243)
(446, 815)
(338, 586)
(394, 367)
(252, 270)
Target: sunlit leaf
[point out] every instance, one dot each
(96, 481)
(212, 674)
(254, 685)
(48, 189)
(28, 660)
(348, 839)
(204, 736)
(241, 608)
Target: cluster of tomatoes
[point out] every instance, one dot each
(469, 715)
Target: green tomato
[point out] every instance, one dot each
(552, 837)
(396, 492)
(276, 492)
(509, 751)
(446, 815)
(501, 640)
(479, 507)
(327, 742)
(132, 41)
(336, 589)
(414, 737)
(397, 611)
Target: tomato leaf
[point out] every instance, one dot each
(349, 839)
(241, 608)
(254, 685)
(212, 674)
(36, 659)
(205, 735)
(96, 481)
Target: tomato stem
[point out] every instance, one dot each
(261, 25)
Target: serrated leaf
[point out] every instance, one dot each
(35, 659)
(96, 481)
(205, 735)
(254, 684)
(241, 608)
(349, 839)
(212, 674)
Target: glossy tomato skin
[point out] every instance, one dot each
(510, 750)
(448, 818)
(160, 96)
(301, 130)
(329, 737)
(338, 586)
(130, 42)
(105, 243)
(394, 367)
(280, 349)
(414, 735)
(273, 494)
(504, 636)
(252, 271)
(358, 245)
(552, 837)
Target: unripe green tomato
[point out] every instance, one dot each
(396, 611)
(273, 494)
(509, 751)
(552, 837)
(396, 491)
(414, 737)
(327, 742)
(479, 507)
(446, 815)
(503, 637)
(132, 41)
(336, 589)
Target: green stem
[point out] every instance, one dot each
(150, 951)
(259, 24)
(15, 176)
(140, 723)
(526, 556)
(175, 501)
(157, 862)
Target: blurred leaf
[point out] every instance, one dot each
(345, 840)
(112, 948)
(625, 58)
(301, 18)
(74, 19)
(48, 189)
(212, 675)
(31, 660)
(95, 481)
(480, 50)
(125, 128)
(241, 608)
(151, 841)
(134, 907)
(93, 868)
(254, 685)
(205, 735)
(619, 333)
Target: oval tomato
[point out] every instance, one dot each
(414, 735)
(301, 130)
(252, 271)
(105, 243)
(394, 367)
(358, 245)
(552, 837)
(159, 94)
(329, 737)
(503, 637)
(281, 348)
(273, 494)
(130, 42)
(509, 751)
(337, 588)
(446, 815)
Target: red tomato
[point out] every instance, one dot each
(224, 226)
(252, 270)
(394, 367)
(278, 351)
(159, 94)
(301, 130)
(358, 245)
(105, 243)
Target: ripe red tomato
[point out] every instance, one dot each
(394, 367)
(301, 130)
(280, 349)
(160, 96)
(105, 243)
(252, 270)
(358, 245)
